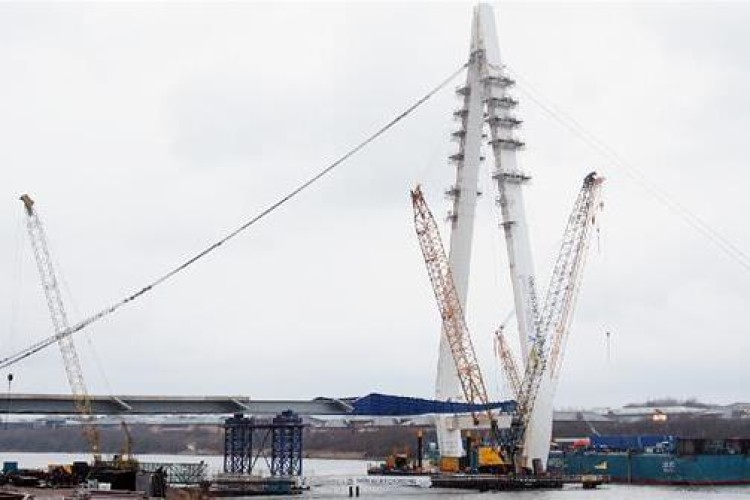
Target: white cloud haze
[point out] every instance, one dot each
(147, 131)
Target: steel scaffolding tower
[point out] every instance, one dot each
(286, 445)
(238, 445)
(246, 440)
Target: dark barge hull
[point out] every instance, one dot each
(492, 482)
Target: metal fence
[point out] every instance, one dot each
(179, 473)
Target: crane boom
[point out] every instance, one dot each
(59, 317)
(454, 324)
(556, 314)
(507, 362)
(568, 271)
(127, 450)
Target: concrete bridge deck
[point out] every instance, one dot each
(59, 404)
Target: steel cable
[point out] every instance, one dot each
(720, 241)
(10, 360)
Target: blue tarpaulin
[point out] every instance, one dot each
(375, 404)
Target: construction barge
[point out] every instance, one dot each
(480, 470)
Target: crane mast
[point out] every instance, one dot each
(60, 322)
(454, 327)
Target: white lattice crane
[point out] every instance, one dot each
(565, 283)
(60, 322)
(553, 325)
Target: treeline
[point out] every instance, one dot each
(146, 439)
(667, 402)
(687, 426)
(363, 442)
(356, 442)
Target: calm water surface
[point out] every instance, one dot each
(332, 476)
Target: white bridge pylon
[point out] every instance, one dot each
(488, 106)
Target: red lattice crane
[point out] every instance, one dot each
(454, 324)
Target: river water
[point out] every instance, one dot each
(330, 479)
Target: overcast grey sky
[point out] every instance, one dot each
(147, 131)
